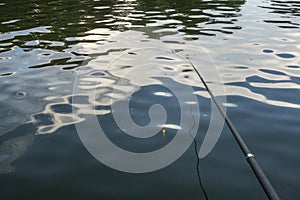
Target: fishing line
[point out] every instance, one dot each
(198, 159)
(261, 177)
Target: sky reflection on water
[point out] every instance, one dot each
(43, 44)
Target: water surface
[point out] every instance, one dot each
(43, 46)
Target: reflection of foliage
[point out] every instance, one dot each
(193, 15)
(284, 7)
(75, 17)
(182, 5)
(288, 9)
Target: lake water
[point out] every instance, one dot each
(62, 62)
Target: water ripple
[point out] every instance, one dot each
(44, 44)
(288, 12)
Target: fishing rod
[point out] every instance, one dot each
(260, 175)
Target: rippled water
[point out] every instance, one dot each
(136, 46)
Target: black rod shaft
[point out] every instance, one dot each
(260, 175)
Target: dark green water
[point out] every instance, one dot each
(45, 44)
